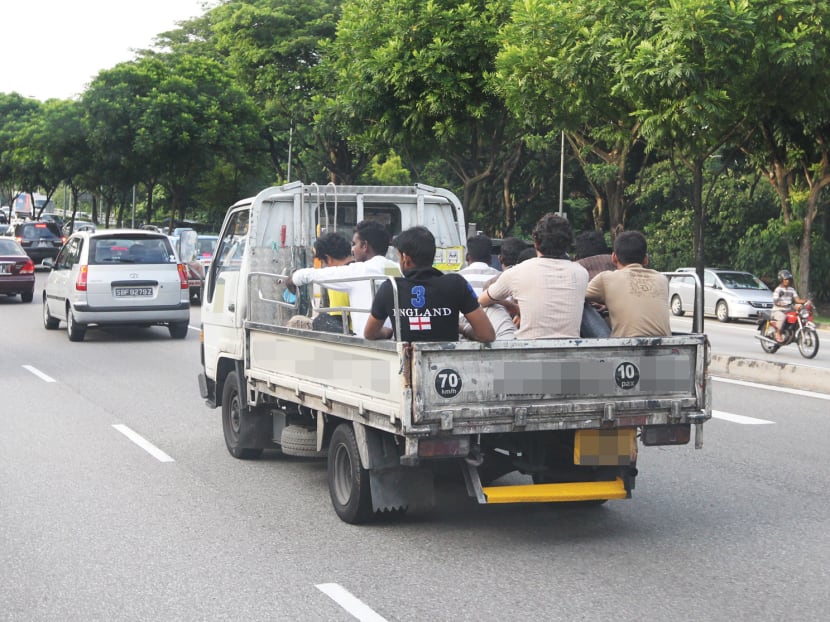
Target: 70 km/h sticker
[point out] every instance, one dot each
(448, 383)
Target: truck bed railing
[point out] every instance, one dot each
(256, 294)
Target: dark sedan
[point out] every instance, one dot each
(39, 239)
(17, 271)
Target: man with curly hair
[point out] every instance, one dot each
(549, 288)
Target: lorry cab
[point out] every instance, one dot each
(275, 231)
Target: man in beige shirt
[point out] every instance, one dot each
(636, 296)
(549, 289)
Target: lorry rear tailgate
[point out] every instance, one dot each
(557, 383)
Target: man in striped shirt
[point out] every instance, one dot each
(478, 273)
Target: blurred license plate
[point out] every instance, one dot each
(5, 268)
(130, 292)
(44, 243)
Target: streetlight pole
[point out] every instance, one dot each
(561, 172)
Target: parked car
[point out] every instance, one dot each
(40, 240)
(727, 294)
(117, 276)
(17, 270)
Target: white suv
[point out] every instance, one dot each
(117, 276)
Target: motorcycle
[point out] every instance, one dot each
(798, 328)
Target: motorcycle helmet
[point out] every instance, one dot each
(785, 274)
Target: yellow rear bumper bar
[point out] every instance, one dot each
(539, 493)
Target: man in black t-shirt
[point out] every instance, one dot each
(429, 300)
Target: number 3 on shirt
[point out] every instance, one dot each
(417, 294)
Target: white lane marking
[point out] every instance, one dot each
(755, 385)
(38, 373)
(142, 442)
(350, 603)
(719, 414)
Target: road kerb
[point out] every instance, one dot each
(767, 372)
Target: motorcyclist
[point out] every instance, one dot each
(784, 297)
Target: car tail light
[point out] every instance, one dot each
(63, 239)
(28, 267)
(80, 282)
(183, 276)
(19, 239)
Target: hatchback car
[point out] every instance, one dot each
(727, 294)
(111, 277)
(40, 240)
(17, 271)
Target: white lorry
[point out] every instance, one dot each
(565, 414)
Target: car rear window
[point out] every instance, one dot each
(10, 247)
(131, 249)
(40, 231)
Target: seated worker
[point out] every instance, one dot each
(369, 245)
(334, 249)
(477, 273)
(636, 296)
(429, 300)
(784, 298)
(592, 253)
(511, 253)
(549, 288)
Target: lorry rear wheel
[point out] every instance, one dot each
(348, 480)
(233, 420)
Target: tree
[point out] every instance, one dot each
(16, 113)
(681, 76)
(789, 108)
(414, 76)
(274, 48)
(555, 72)
(194, 116)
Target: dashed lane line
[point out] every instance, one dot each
(38, 373)
(349, 602)
(719, 414)
(142, 442)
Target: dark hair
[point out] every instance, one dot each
(374, 234)
(480, 248)
(510, 249)
(528, 253)
(553, 235)
(590, 243)
(419, 244)
(630, 247)
(335, 245)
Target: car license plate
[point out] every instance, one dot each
(5, 268)
(132, 292)
(44, 243)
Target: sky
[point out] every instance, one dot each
(54, 48)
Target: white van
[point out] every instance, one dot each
(727, 294)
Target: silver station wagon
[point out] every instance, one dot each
(116, 276)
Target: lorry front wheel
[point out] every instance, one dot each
(348, 480)
(233, 420)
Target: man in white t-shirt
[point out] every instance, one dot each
(549, 289)
(478, 273)
(369, 245)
